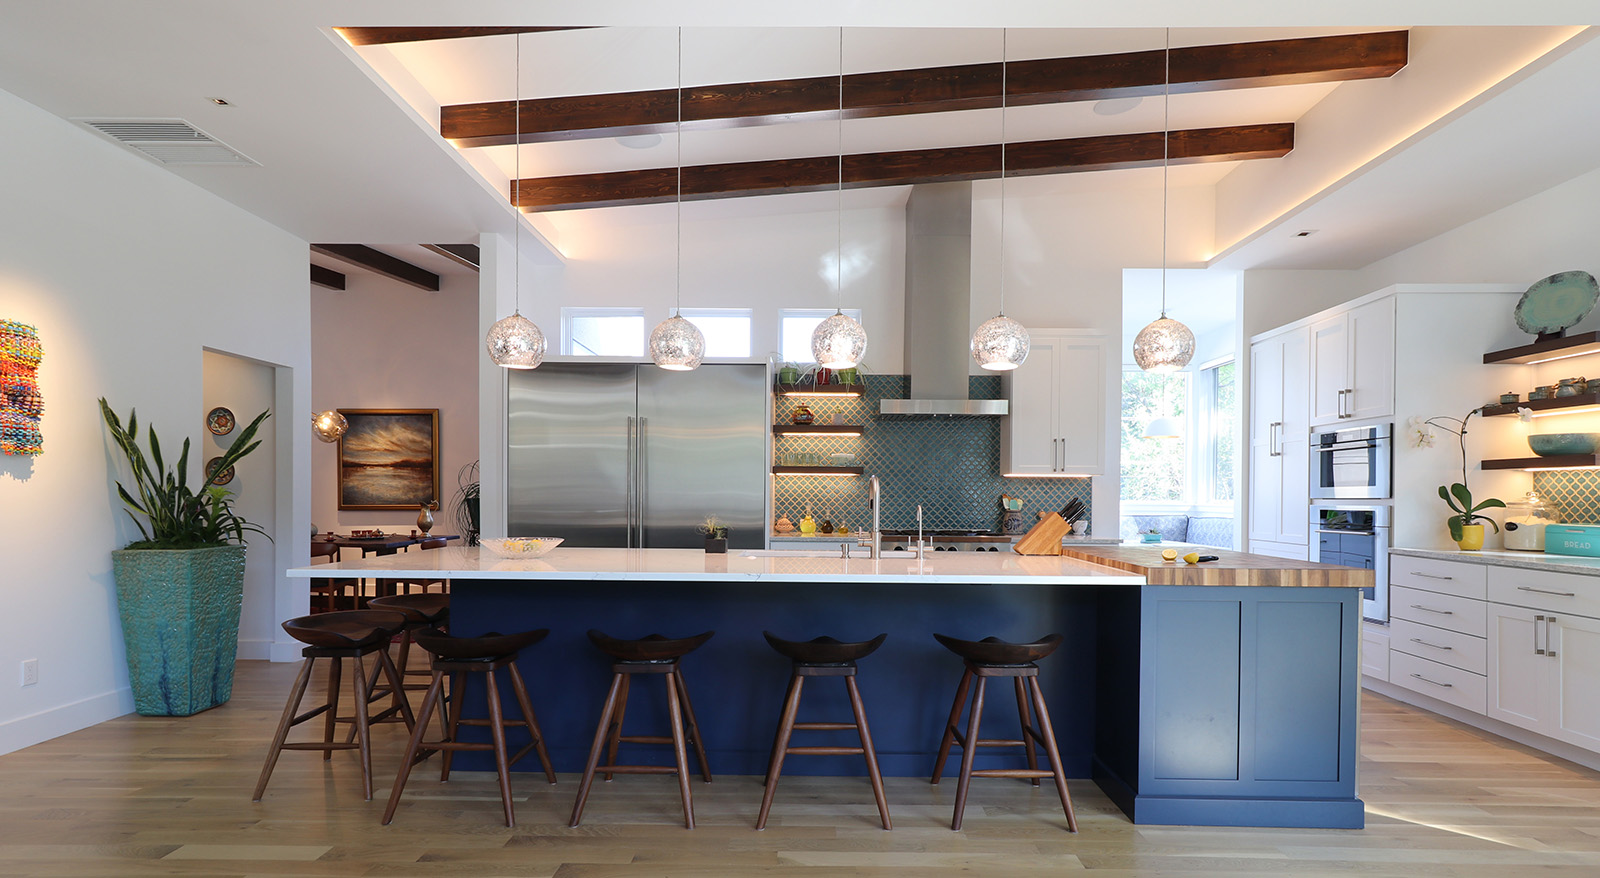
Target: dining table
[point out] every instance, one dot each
(384, 544)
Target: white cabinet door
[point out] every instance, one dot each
(1575, 688)
(1280, 485)
(1030, 443)
(1518, 668)
(1371, 361)
(1295, 442)
(1330, 368)
(1266, 391)
(1266, 494)
(1081, 405)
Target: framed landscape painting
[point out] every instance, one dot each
(389, 458)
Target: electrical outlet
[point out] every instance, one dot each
(30, 672)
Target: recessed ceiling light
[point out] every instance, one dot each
(1305, 233)
(639, 141)
(1116, 106)
(221, 102)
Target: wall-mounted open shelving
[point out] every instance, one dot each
(816, 429)
(818, 470)
(1550, 349)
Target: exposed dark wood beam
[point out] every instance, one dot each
(932, 90)
(374, 36)
(326, 277)
(462, 254)
(704, 182)
(381, 263)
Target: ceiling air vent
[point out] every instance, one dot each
(169, 141)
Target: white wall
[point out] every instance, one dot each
(246, 388)
(129, 273)
(383, 344)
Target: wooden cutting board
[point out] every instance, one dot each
(1230, 568)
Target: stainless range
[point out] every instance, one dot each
(947, 540)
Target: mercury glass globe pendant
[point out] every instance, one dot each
(839, 342)
(676, 344)
(1165, 345)
(515, 342)
(1001, 344)
(329, 426)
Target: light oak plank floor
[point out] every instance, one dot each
(141, 796)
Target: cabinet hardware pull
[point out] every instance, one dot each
(1429, 575)
(1434, 682)
(1549, 648)
(1341, 403)
(1561, 594)
(1430, 645)
(1536, 649)
(1432, 610)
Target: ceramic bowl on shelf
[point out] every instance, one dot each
(520, 547)
(1551, 444)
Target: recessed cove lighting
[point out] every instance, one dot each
(639, 141)
(1116, 106)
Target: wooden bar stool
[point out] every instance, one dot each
(350, 634)
(459, 656)
(649, 655)
(823, 657)
(421, 611)
(993, 657)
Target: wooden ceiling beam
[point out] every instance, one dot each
(382, 263)
(705, 182)
(377, 36)
(932, 90)
(326, 278)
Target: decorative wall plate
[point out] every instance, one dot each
(220, 421)
(1557, 302)
(211, 467)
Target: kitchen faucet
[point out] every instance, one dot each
(874, 540)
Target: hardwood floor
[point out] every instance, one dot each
(142, 796)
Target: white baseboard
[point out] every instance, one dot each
(1560, 749)
(26, 731)
(285, 651)
(254, 650)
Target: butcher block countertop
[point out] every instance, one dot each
(1230, 568)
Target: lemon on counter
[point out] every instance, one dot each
(1169, 554)
(1192, 558)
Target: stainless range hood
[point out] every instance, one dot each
(938, 305)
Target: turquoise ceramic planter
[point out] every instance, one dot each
(180, 624)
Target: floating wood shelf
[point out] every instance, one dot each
(1553, 405)
(818, 470)
(1553, 349)
(1560, 461)
(821, 389)
(816, 429)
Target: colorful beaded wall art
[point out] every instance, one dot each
(21, 405)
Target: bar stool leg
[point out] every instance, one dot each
(458, 691)
(780, 747)
(969, 750)
(693, 725)
(497, 732)
(282, 734)
(614, 733)
(1051, 753)
(594, 751)
(868, 752)
(950, 725)
(675, 716)
(331, 725)
(1027, 725)
(430, 702)
(363, 733)
(521, 691)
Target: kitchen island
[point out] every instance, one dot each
(1212, 703)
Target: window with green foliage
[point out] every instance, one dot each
(1154, 470)
(1219, 406)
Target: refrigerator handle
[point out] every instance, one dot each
(644, 476)
(632, 460)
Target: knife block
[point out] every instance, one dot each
(1044, 538)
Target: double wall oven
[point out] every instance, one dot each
(1356, 536)
(1351, 487)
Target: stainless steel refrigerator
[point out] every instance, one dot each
(635, 456)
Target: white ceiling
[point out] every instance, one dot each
(343, 160)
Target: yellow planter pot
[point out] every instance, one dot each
(1471, 538)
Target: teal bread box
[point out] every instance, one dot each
(1572, 539)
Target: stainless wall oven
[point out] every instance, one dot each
(1353, 463)
(1356, 536)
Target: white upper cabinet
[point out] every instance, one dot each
(1057, 425)
(1352, 364)
(1280, 489)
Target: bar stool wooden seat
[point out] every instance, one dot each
(351, 634)
(993, 657)
(420, 611)
(459, 656)
(648, 655)
(822, 657)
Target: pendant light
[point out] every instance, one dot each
(515, 342)
(1001, 344)
(676, 343)
(1165, 345)
(328, 426)
(839, 342)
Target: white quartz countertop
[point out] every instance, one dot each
(694, 565)
(1523, 560)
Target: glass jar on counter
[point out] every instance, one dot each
(1525, 521)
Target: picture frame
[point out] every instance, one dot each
(389, 459)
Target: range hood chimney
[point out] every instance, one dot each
(938, 305)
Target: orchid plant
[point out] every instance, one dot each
(1457, 496)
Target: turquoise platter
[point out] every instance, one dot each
(1557, 302)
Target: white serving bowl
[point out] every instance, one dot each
(519, 547)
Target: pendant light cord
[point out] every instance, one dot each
(677, 307)
(1003, 33)
(1166, 136)
(516, 198)
(838, 228)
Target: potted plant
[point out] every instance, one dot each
(464, 505)
(1468, 536)
(179, 586)
(716, 535)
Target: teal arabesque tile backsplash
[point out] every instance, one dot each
(1574, 493)
(951, 466)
